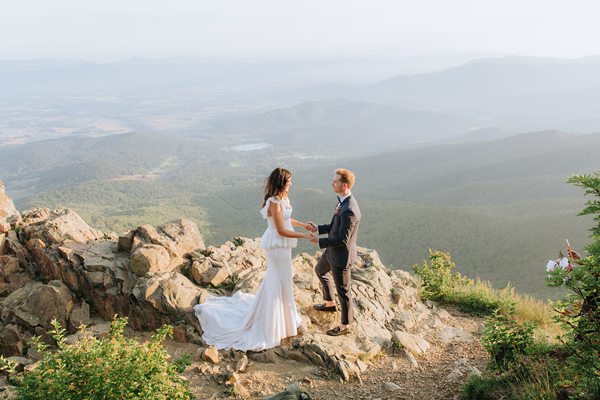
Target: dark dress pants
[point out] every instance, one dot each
(336, 278)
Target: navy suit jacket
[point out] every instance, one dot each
(340, 243)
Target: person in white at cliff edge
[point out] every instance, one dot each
(257, 322)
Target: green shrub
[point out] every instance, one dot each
(184, 362)
(438, 280)
(483, 388)
(112, 368)
(505, 339)
(439, 283)
(579, 313)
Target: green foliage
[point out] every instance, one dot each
(523, 369)
(532, 377)
(477, 297)
(579, 312)
(10, 367)
(182, 363)
(591, 184)
(483, 388)
(111, 368)
(238, 241)
(505, 339)
(440, 283)
(437, 276)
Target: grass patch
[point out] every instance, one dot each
(440, 283)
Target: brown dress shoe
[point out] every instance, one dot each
(337, 331)
(323, 307)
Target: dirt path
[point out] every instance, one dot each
(430, 380)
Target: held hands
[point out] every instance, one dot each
(313, 232)
(312, 236)
(311, 226)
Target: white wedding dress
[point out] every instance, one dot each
(257, 322)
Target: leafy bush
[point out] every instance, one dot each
(482, 388)
(571, 369)
(505, 339)
(439, 283)
(184, 362)
(437, 277)
(111, 368)
(532, 377)
(579, 313)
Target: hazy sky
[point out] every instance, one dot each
(124, 28)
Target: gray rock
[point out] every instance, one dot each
(211, 354)
(56, 226)
(451, 334)
(242, 364)
(454, 375)
(149, 259)
(8, 212)
(11, 340)
(413, 343)
(391, 386)
(2, 243)
(404, 319)
(408, 356)
(209, 272)
(80, 316)
(169, 293)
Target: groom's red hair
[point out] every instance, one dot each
(346, 176)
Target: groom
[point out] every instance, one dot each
(340, 244)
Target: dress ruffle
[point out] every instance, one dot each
(271, 239)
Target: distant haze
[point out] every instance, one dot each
(113, 29)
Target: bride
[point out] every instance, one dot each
(257, 322)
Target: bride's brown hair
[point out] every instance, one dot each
(275, 183)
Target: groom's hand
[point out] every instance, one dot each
(314, 239)
(311, 226)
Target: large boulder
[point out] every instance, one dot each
(208, 271)
(165, 298)
(56, 226)
(2, 243)
(11, 341)
(179, 238)
(100, 273)
(243, 263)
(185, 235)
(8, 213)
(48, 302)
(33, 306)
(149, 259)
(168, 292)
(38, 304)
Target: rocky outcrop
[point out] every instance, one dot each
(175, 239)
(388, 310)
(57, 267)
(9, 216)
(57, 226)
